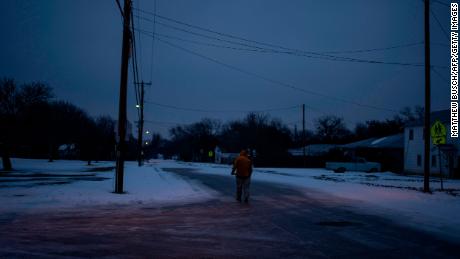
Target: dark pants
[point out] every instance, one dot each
(242, 186)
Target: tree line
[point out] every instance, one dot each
(35, 124)
(269, 137)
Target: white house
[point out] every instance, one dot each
(222, 157)
(443, 160)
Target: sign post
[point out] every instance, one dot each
(438, 135)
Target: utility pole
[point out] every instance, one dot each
(303, 135)
(122, 120)
(141, 125)
(426, 129)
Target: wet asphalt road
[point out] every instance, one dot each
(279, 222)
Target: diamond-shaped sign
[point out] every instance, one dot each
(438, 133)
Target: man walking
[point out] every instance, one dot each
(242, 167)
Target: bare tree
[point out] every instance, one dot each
(13, 102)
(331, 129)
(8, 110)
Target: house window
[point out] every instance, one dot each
(419, 160)
(411, 134)
(433, 161)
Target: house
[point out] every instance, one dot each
(313, 150)
(388, 151)
(315, 155)
(67, 151)
(221, 157)
(217, 155)
(444, 159)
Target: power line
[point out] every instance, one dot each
(254, 48)
(199, 34)
(307, 54)
(135, 79)
(225, 34)
(140, 41)
(276, 82)
(376, 49)
(225, 111)
(134, 66)
(165, 122)
(147, 33)
(441, 3)
(439, 24)
(153, 41)
(290, 51)
(440, 75)
(198, 27)
(299, 53)
(209, 37)
(119, 8)
(440, 44)
(139, 96)
(221, 111)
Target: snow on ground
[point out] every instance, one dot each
(40, 185)
(398, 198)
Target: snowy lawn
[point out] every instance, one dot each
(39, 185)
(398, 198)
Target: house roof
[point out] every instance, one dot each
(442, 115)
(393, 141)
(312, 150)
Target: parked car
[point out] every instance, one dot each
(358, 164)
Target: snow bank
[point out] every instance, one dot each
(22, 190)
(395, 197)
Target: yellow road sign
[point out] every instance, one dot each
(438, 133)
(439, 140)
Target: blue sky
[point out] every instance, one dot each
(75, 46)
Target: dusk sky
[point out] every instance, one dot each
(75, 46)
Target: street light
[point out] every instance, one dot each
(138, 106)
(147, 132)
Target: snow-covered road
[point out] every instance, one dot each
(66, 207)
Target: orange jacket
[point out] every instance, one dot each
(242, 165)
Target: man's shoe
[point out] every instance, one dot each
(238, 199)
(246, 201)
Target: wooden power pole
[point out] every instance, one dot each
(426, 129)
(303, 135)
(140, 142)
(122, 120)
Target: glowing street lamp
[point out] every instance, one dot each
(138, 106)
(147, 132)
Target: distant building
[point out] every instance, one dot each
(67, 151)
(388, 151)
(315, 155)
(447, 159)
(221, 157)
(313, 150)
(217, 155)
